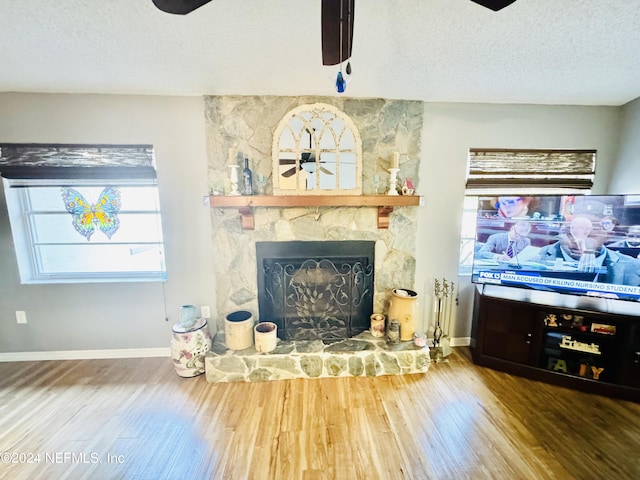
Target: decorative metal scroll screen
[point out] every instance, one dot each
(316, 290)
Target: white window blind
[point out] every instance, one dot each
(494, 171)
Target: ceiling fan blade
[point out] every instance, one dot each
(325, 171)
(494, 5)
(284, 161)
(289, 172)
(331, 14)
(179, 7)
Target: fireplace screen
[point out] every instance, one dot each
(316, 290)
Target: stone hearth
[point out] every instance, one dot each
(361, 356)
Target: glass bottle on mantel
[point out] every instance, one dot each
(247, 180)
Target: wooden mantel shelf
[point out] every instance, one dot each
(245, 204)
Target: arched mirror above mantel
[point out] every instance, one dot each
(317, 150)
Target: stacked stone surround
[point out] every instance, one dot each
(360, 356)
(248, 124)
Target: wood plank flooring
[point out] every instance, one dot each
(136, 419)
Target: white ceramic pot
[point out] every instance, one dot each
(238, 330)
(266, 336)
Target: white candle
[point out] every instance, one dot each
(233, 156)
(395, 162)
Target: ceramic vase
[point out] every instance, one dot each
(238, 330)
(187, 316)
(403, 307)
(266, 337)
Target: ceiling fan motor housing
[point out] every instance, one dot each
(494, 5)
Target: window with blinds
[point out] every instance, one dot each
(493, 171)
(83, 213)
(496, 171)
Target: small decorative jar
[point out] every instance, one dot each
(265, 337)
(377, 325)
(187, 316)
(393, 332)
(419, 339)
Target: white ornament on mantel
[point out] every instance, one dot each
(393, 180)
(233, 176)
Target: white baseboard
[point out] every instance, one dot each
(455, 341)
(461, 342)
(85, 354)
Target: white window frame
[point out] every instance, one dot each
(24, 235)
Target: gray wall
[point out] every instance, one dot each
(627, 169)
(111, 315)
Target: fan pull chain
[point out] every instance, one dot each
(341, 84)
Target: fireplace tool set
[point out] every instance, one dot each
(443, 306)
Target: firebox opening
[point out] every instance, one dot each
(316, 290)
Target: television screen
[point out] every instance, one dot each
(575, 244)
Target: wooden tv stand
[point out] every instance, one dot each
(585, 350)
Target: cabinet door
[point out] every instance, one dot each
(631, 364)
(633, 378)
(508, 332)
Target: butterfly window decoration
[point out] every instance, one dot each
(87, 216)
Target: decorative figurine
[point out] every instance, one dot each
(551, 320)
(407, 187)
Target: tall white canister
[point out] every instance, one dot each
(238, 330)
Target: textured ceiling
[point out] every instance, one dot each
(581, 52)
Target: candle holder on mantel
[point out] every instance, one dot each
(233, 176)
(393, 180)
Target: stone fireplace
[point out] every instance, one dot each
(299, 286)
(248, 124)
(316, 290)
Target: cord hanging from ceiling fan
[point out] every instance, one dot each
(341, 82)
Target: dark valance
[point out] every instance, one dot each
(76, 161)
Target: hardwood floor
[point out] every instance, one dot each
(136, 419)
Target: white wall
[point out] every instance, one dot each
(448, 133)
(113, 316)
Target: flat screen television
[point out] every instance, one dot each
(574, 244)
